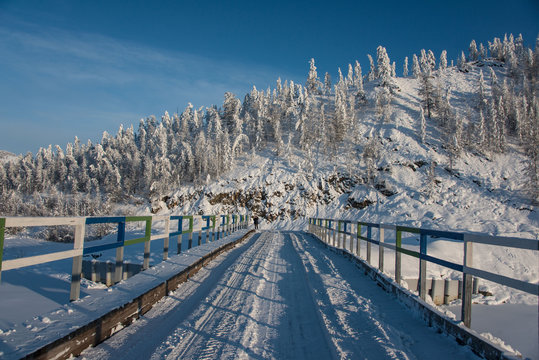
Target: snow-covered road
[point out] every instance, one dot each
(279, 295)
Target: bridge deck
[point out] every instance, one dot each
(279, 295)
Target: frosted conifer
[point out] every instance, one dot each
(473, 53)
(416, 70)
(405, 67)
(350, 76)
(372, 72)
(443, 60)
(313, 83)
(422, 125)
(327, 84)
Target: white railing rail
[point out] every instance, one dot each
(215, 227)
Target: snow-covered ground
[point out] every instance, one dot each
(280, 295)
(35, 301)
(31, 297)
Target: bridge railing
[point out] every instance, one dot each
(335, 232)
(214, 226)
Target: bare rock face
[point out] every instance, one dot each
(272, 200)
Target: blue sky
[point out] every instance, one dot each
(77, 68)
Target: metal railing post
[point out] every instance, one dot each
(180, 235)
(334, 228)
(422, 267)
(167, 238)
(345, 236)
(358, 244)
(76, 270)
(2, 232)
(398, 243)
(380, 248)
(147, 235)
(467, 284)
(119, 253)
(191, 225)
(207, 229)
(369, 236)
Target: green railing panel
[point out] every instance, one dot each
(147, 230)
(398, 240)
(408, 252)
(408, 229)
(191, 222)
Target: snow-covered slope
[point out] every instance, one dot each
(475, 192)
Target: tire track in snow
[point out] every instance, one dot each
(353, 335)
(364, 320)
(280, 295)
(216, 333)
(218, 321)
(150, 332)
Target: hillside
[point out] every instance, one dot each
(481, 192)
(473, 192)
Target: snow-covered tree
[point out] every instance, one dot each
(481, 92)
(358, 76)
(231, 114)
(416, 70)
(431, 60)
(350, 76)
(427, 92)
(473, 52)
(327, 84)
(462, 64)
(384, 68)
(383, 108)
(405, 67)
(339, 120)
(372, 71)
(482, 51)
(422, 125)
(313, 83)
(443, 60)
(482, 135)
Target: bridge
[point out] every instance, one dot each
(231, 292)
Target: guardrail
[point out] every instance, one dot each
(334, 232)
(208, 223)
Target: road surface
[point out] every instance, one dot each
(279, 295)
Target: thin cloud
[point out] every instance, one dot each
(92, 57)
(64, 79)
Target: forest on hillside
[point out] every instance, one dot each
(137, 166)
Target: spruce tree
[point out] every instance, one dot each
(416, 70)
(372, 71)
(443, 60)
(313, 83)
(422, 125)
(405, 67)
(473, 53)
(327, 84)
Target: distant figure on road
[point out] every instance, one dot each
(255, 220)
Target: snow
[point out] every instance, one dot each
(6, 156)
(41, 312)
(523, 337)
(483, 193)
(279, 295)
